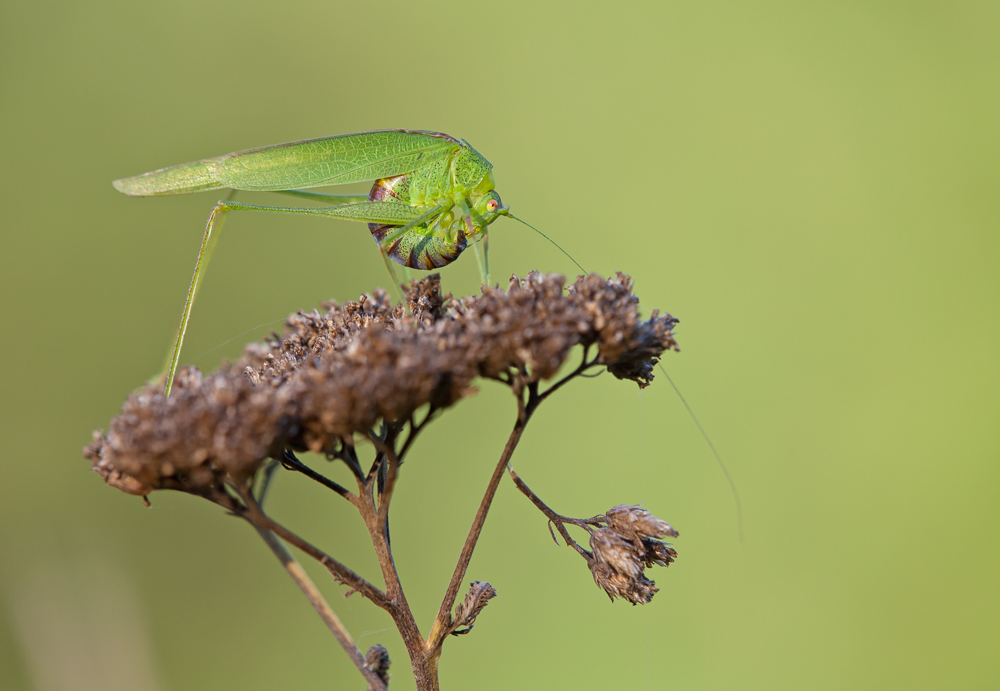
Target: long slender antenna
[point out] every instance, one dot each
(718, 457)
(704, 434)
(549, 239)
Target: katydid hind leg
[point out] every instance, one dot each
(364, 212)
(326, 197)
(212, 230)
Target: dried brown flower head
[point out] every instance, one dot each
(371, 371)
(344, 371)
(625, 548)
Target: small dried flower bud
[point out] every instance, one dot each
(638, 591)
(480, 593)
(608, 578)
(377, 659)
(616, 551)
(658, 553)
(252, 375)
(636, 521)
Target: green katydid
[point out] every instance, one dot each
(421, 178)
(433, 195)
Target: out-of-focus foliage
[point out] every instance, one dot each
(810, 188)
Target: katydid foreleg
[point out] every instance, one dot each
(437, 212)
(466, 206)
(486, 252)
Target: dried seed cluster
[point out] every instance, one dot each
(625, 548)
(342, 371)
(479, 595)
(377, 659)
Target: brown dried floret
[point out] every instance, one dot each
(637, 521)
(638, 591)
(616, 551)
(115, 478)
(347, 369)
(377, 659)
(629, 346)
(657, 553)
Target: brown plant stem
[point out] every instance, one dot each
(322, 608)
(441, 622)
(396, 605)
(391, 464)
(252, 512)
(584, 365)
(522, 386)
(291, 462)
(559, 520)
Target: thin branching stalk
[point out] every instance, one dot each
(559, 520)
(443, 619)
(291, 462)
(584, 365)
(322, 608)
(396, 604)
(253, 513)
(391, 464)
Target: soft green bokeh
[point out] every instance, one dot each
(810, 187)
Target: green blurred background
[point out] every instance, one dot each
(810, 187)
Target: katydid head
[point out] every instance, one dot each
(487, 208)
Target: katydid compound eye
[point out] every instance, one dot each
(492, 205)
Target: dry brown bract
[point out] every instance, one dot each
(346, 370)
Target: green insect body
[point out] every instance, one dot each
(432, 197)
(435, 244)
(434, 170)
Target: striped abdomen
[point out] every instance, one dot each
(430, 246)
